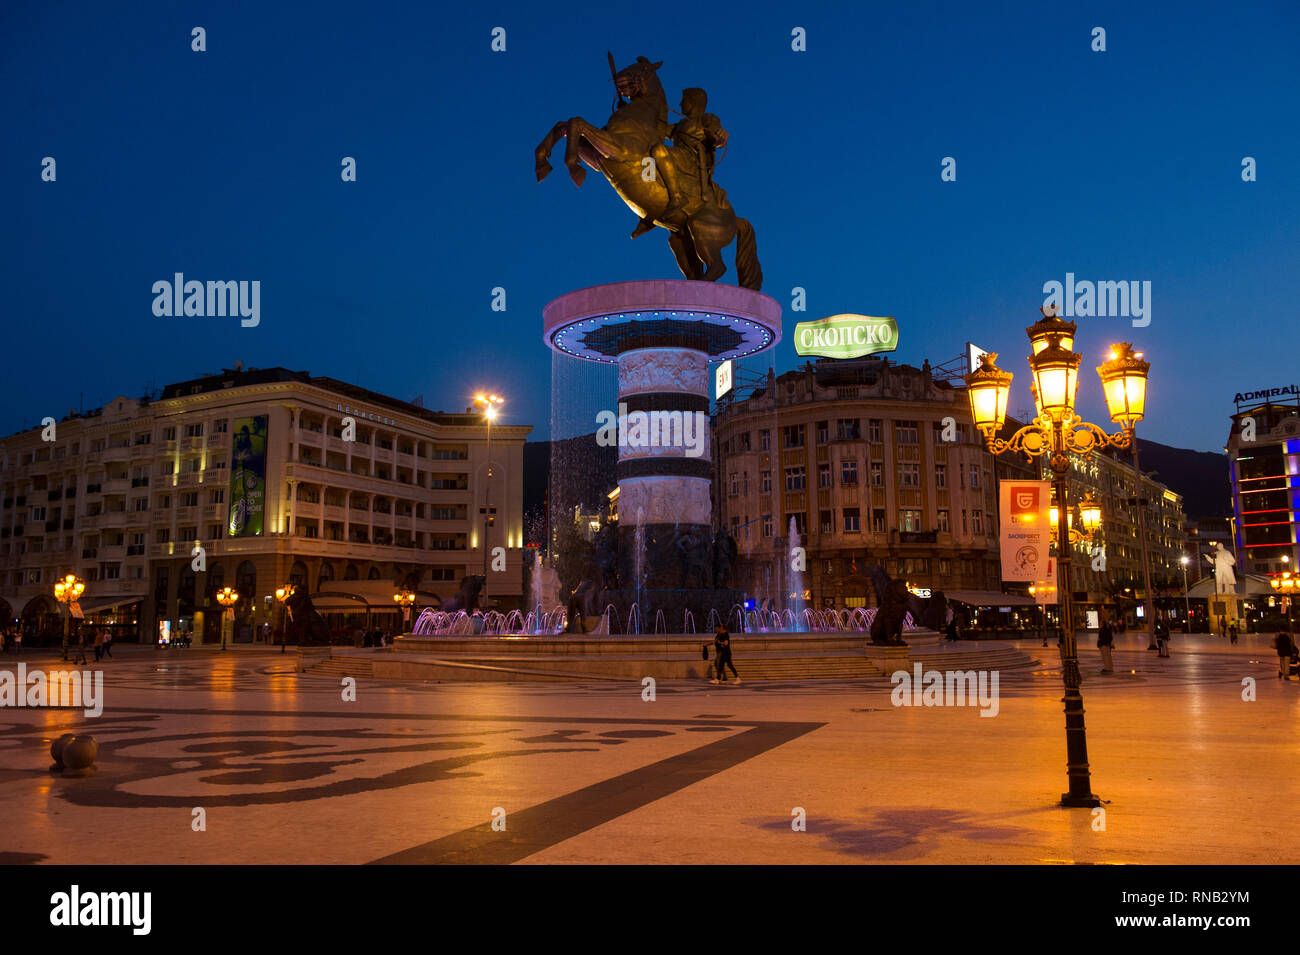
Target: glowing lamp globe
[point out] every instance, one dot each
(1090, 514)
(1042, 331)
(1056, 377)
(1124, 378)
(988, 388)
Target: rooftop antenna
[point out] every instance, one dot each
(239, 364)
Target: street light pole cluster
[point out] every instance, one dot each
(226, 596)
(490, 404)
(67, 592)
(1057, 431)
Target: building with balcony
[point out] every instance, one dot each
(868, 461)
(254, 478)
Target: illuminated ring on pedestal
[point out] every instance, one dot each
(722, 321)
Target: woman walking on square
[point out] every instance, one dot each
(1282, 644)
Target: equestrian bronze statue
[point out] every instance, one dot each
(670, 187)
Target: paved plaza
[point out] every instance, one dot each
(287, 771)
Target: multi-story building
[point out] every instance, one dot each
(854, 455)
(1264, 469)
(1109, 477)
(253, 479)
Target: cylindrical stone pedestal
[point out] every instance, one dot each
(663, 335)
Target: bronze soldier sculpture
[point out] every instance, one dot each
(671, 188)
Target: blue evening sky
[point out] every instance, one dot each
(1122, 165)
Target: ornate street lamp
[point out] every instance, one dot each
(1058, 431)
(404, 599)
(227, 596)
(282, 595)
(490, 405)
(68, 591)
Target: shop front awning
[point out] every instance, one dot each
(989, 598)
(109, 603)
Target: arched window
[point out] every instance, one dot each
(351, 572)
(298, 574)
(326, 574)
(373, 573)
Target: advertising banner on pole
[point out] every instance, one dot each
(1026, 532)
(248, 477)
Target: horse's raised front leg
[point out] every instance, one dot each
(543, 150)
(582, 133)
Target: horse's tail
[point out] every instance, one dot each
(748, 270)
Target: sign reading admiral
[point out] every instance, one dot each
(846, 336)
(1266, 393)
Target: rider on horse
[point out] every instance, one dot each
(687, 168)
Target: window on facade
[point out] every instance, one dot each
(878, 520)
(875, 430)
(849, 473)
(194, 430)
(823, 475)
(744, 441)
(905, 432)
(977, 521)
(800, 522)
(189, 499)
(765, 440)
(735, 484)
(909, 474)
(765, 482)
(848, 429)
(944, 524)
(941, 475)
(852, 520)
(792, 436)
(164, 535)
(825, 522)
(823, 432)
(169, 434)
(796, 479)
(965, 529)
(141, 504)
(909, 520)
(767, 525)
(974, 475)
(877, 474)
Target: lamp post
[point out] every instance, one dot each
(1058, 431)
(282, 595)
(1187, 600)
(226, 596)
(489, 404)
(405, 599)
(67, 591)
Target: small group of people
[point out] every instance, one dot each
(722, 656)
(13, 639)
(1227, 629)
(99, 639)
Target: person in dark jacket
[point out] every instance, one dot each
(1283, 645)
(722, 651)
(1106, 644)
(951, 629)
(1162, 638)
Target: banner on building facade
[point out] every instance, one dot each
(1026, 532)
(248, 477)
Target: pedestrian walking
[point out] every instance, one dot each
(108, 643)
(1232, 634)
(97, 642)
(79, 640)
(951, 630)
(18, 641)
(1284, 646)
(1106, 644)
(722, 651)
(1162, 638)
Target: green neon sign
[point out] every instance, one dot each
(846, 336)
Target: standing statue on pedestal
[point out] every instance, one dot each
(671, 188)
(1225, 580)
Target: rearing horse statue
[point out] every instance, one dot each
(624, 152)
